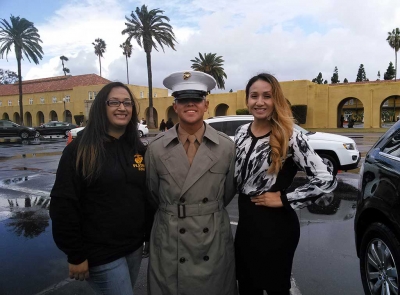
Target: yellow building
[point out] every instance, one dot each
(58, 98)
(61, 98)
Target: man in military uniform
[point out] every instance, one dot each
(190, 177)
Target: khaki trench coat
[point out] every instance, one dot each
(191, 244)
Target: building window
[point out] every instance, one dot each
(94, 94)
(9, 103)
(386, 103)
(155, 94)
(54, 99)
(90, 95)
(31, 101)
(18, 101)
(67, 98)
(141, 94)
(42, 100)
(1, 103)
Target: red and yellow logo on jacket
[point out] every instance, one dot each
(138, 162)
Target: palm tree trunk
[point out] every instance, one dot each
(150, 82)
(127, 72)
(395, 71)
(62, 61)
(21, 107)
(100, 65)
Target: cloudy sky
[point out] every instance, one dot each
(291, 39)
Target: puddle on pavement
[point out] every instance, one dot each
(27, 247)
(17, 180)
(340, 205)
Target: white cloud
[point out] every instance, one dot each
(286, 38)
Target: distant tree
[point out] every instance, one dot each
(345, 80)
(149, 28)
(211, 64)
(335, 76)
(127, 51)
(379, 75)
(22, 36)
(319, 79)
(99, 49)
(390, 72)
(231, 90)
(8, 77)
(361, 75)
(394, 42)
(325, 81)
(65, 70)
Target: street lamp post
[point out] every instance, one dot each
(65, 115)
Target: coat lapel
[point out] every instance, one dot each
(204, 159)
(174, 158)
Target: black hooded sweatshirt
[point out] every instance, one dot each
(104, 220)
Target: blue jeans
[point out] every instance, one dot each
(117, 277)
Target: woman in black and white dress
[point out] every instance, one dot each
(268, 153)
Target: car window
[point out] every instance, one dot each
(232, 126)
(219, 126)
(9, 124)
(392, 147)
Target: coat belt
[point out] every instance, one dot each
(183, 210)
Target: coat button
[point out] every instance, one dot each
(205, 230)
(206, 258)
(182, 260)
(182, 230)
(205, 200)
(182, 200)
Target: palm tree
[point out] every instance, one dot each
(24, 37)
(127, 47)
(394, 42)
(148, 28)
(65, 70)
(99, 49)
(212, 65)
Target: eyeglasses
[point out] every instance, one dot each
(117, 103)
(189, 100)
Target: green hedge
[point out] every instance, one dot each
(242, 112)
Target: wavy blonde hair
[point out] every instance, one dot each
(281, 121)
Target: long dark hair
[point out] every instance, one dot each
(281, 120)
(91, 153)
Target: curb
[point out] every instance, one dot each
(10, 139)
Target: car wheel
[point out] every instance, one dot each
(37, 134)
(24, 134)
(141, 133)
(330, 162)
(327, 205)
(379, 258)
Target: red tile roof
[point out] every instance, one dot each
(52, 84)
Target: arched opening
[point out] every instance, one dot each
(390, 111)
(171, 114)
(5, 116)
(221, 109)
(67, 116)
(39, 118)
(53, 116)
(28, 119)
(16, 118)
(350, 113)
(155, 115)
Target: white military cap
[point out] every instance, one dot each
(189, 82)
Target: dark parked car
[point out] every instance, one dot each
(55, 128)
(377, 222)
(10, 129)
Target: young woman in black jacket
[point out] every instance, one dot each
(98, 205)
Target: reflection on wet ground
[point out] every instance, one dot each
(340, 205)
(27, 246)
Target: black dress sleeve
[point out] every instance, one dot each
(65, 209)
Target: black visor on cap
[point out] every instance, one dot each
(189, 94)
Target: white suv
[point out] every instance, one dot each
(337, 151)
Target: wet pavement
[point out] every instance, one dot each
(325, 261)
